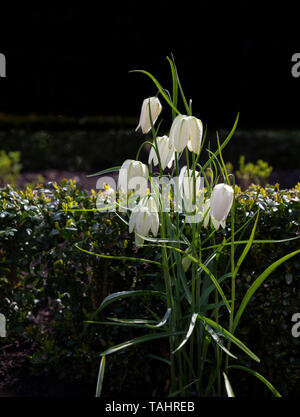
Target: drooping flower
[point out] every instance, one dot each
(219, 205)
(131, 174)
(166, 152)
(155, 109)
(190, 190)
(186, 131)
(144, 218)
(187, 184)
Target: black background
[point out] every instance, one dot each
(75, 59)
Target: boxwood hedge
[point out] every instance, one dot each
(49, 289)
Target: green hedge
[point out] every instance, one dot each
(49, 288)
(66, 143)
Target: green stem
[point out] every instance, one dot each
(231, 317)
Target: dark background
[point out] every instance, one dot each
(76, 60)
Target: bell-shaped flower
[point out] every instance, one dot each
(219, 205)
(131, 174)
(186, 131)
(150, 105)
(166, 152)
(190, 189)
(144, 218)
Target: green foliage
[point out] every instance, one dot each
(248, 173)
(9, 167)
(65, 142)
(50, 289)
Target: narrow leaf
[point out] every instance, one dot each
(206, 270)
(158, 358)
(257, 283)
(116, 323)
(162, 322)
(100, 376)
(218, 340)
(120, 258)
(227, 335)
(259, 376)
(125, 294)
(189, 332)
(139, 340)
(223, 144)
(105, 171)
(160, 89)
(246, 249)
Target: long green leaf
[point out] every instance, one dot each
(105, 171)
(223, 144)
(257, 283)
(189, 332)
(259, 376)
(175, 394)
(117, 323)
(208, 290)
(162, 322)
(175, 87)
(206, 270)
(246, 249)
(120, 258)
(139, 340)
(159, 358)
(100, 377)
(125, 294)
(227, 335)
(218, 340)
(131, 321)
(160, 88)
(243, 242)
(179, 84)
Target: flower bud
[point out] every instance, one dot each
(155, 109)
(166, 153)
(186, 131)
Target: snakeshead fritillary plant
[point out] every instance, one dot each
(201, 315)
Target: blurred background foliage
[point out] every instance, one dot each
(89, 144)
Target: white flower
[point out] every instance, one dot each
(186, 131)
(166, 152)
(144, 218)
(190, 189)
(219, 205)
(155, 109)
(186, 183)
(131, 174)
